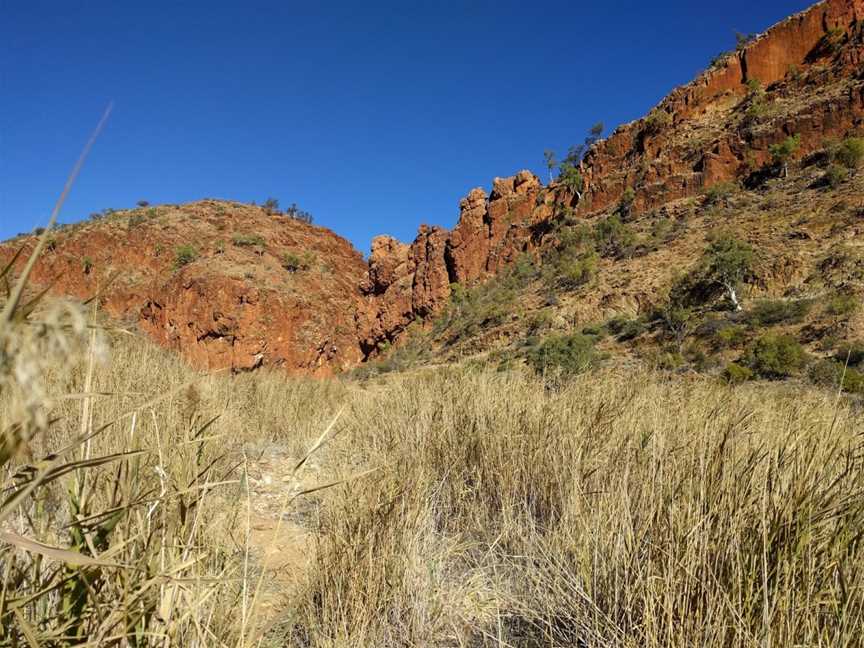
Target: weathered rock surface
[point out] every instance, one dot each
(235, 304)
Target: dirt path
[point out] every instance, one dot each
(284, 550)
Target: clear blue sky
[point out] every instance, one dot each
(374, 116)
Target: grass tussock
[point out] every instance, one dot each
(124, 516)
(617, 510)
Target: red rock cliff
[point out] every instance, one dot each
(243, 303)
(810, 67)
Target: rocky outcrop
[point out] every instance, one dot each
(810, 68)
(237, 303)
(243, 305)
(813, 57)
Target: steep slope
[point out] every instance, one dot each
(805, 77)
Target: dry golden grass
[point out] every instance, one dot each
(620, 509)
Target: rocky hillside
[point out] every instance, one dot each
(226, 284)
(231, 285)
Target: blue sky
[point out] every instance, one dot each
(374, 116)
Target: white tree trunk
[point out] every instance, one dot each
(733, 297)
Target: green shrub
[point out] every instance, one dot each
(783, 151)
(725, 264)
(248, 240)
(539, 321)
(184, 255)
(626, 328)
(776, 356)
(572, 262)
(578, 271)
(570, 176)
(719, 192)
(87, 265)
(755, 99)
(735, 373)
(613, 238)
(474, 309)
(667, 360)
(657, 121)
(834, 375)
(836, 175)
(625, 205)
(842, 305)
(850, 153)
(563, 354)
(731, 336)
(295, 262)
(852, 352)
(771, 312)
(271, 206)
(719, 60)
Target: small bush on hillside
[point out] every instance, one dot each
(835, 375)
(184, 255)
(851, 353)
(657, 121)
(842, 305)
(597, 331)
(719, 193)
(850, 153)
(662, 230)
(731, 336)
(539, 321)
(474, 309)
(776, 356)
(96, 216)
(573, 261)
(625, 205)
(563, 354)
(626, 328)
(735, 373)
(87, 265)
(770, 312)
(271, 206)
(143, 203)
(836, 175)
(294, 262)
(755, 101)
(248, 240)
(677, 321)
(613, 238)
(577, 271)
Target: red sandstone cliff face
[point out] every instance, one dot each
(810, 66)
(239, 307)
(235, 305)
